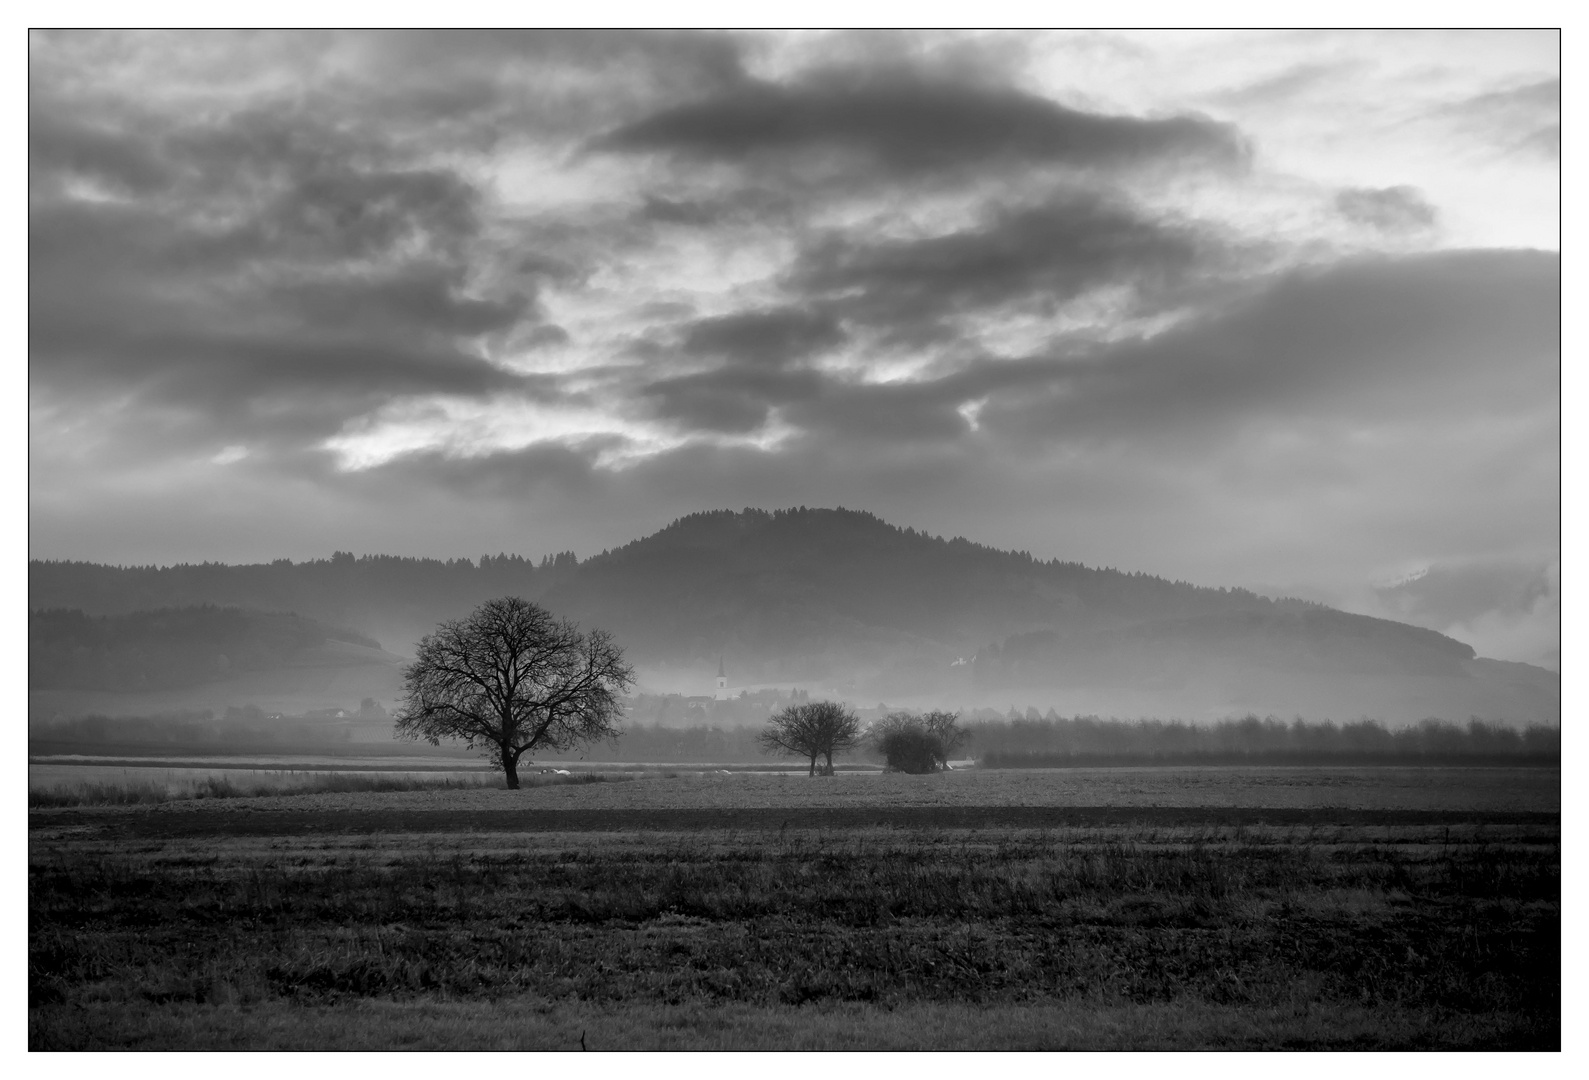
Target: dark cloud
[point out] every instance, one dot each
(680, 211)
(663, 62)
(264, 269)
(816, 405)
(701, 55)
(1392, 209)
(274, 259)
(1380, 340)
(313, 251)
(664, 310)
(427, 90)
(485, 89)
(62, 145)
(989, 58)
(414, 300)
(731, 400)
(1047, 254)
(771, 337)
(540, 337)
(912, 125)
(1461, 334)
(910, 415)
(742, 205)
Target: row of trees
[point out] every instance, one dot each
(1089, 740)
(511, 679)
(908, 742)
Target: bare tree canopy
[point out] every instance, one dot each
(818, 729)
(511, 678)
(918, 743)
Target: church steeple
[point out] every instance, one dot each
(722, 681)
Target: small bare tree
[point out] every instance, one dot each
(945, 728)
(819, 729)
(511, 678)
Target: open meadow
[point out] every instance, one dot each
(1045, 909)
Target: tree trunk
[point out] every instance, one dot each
(813, 771)
(510, 765)
(830, 762)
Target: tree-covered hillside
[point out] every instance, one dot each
(391, 598)
(841, 599)
(167, 648)
(801, 579)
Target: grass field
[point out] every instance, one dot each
(1100, 908)
(91, 785)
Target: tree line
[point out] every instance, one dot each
(1089, 740)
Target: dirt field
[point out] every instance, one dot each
(1107, 908)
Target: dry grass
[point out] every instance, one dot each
(1112, 936)
(530, 1023)
(272, 785)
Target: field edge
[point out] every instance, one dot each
(540, 1025)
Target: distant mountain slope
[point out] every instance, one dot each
(792, 579)
(172, 648)
(834, 580)
(842, 600)
(391, 598)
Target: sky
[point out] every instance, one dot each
(1278, 310)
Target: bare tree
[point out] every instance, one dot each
(918, 743)
(819, 729)
(511, 678)
(945, 728)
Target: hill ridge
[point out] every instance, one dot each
(840, 598)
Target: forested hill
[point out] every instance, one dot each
(789, 579)
(795, 579)
(391, 598)
(843, 599)
(171, 648)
